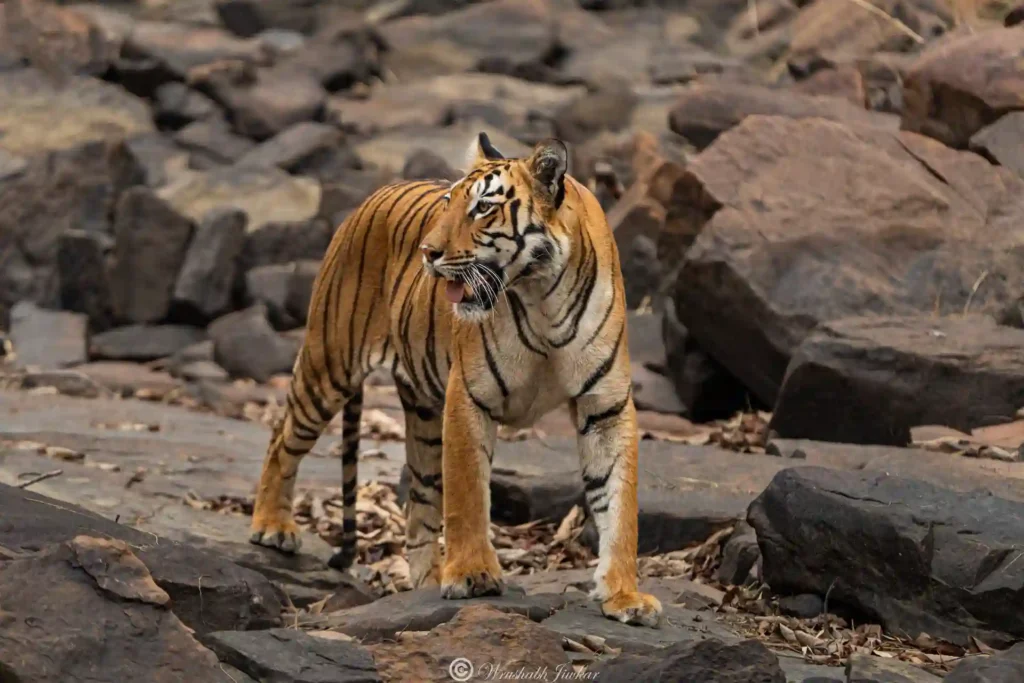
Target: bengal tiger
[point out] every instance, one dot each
(493, 299)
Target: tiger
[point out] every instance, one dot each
(493, 300)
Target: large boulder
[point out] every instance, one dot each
(708, 660)
(204, 284)
(963, 83)
(206, 591)
(247, 346)
(48, 339)
(57, 174)
(88, 609)
(921, 559)
(805, 221)
(869, 380)
(706, 110)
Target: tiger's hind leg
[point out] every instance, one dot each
(351, 420)
(423, 508)
(309, 409)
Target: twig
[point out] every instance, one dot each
(41, 477)
(864, 4)
(974, 290)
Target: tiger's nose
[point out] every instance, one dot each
(431, 253)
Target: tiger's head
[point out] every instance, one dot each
(500, 226)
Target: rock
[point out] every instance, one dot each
(1014, 17)
(338, 58)
(857, 254)
(246, 18)
(917, 557)
(422, 164)
(292, 656)
(300, 289)
(100, 618)
(670, 64)
(963, 83)
(150, 241)
(213, 141)
(247, 346)
(609, 107)
(389, 150)
(704, 386)
(870, 668)
(844, 81)
(47, 339)
(424, 609)
(1002, 141)
(266, 195)
(896, 373)
(269, 286)
(491, 641)
(67, 382)
(646, 347)
(149, 159)
(745, 662)
(804, 606)
(502, 101)
(143, 342)
(653, 391)
(707, 110)
(294, 145)
(203, 288)
(739, 555)
(641, 271)
(177, 105)
(177, 49)
(1005, 667)
(207, 592)
(125, 378)
(283, 242)
(678, 625)
(63, 178)
(504, 36)
(278, 99)
(84, 276)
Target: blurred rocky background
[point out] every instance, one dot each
(819, 209)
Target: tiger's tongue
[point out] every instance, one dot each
(454, 291)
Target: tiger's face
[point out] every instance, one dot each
(499, 228)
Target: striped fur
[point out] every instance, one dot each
(541, 322)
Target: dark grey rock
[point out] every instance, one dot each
(641, 271)
(804, 606)
(870, 669)
(48, 339)
(292, 656)
(247, 346)
(422, 164)
(150, 242)
(646, 346)
(890, 374)
(143, 342)
(608, 107)
(214, 141)
(176, 105)
(276, 243)
(294, 146)
(653, 391)
(276, 100)
(300, 289)
(917, 557)
(149, 159)
(208, 593)
(269, 285)
(422, 610)
(85, 276)
(710, 660)
(1004, 667)
(739, 555)
(204, 285)
(67, 382)
(1003, 141)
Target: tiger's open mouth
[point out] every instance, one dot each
(473, 286)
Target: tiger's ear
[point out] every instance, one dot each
(548, 164)
(481, 151)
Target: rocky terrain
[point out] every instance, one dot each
(819, 207)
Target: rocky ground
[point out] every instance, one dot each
(819, 209)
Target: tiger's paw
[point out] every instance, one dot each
(275, 531)
(472, 578)
(638, 609)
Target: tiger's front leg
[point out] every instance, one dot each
(471, 566)
(608, 459)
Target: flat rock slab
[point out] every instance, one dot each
(87, 609)
(726, 662)
(867, 668)
(292, 656)
(918, 557)
(584, 618)
(892, 373)
(422, 610)
(1004, 667)
(206, 591)
(48, 339)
